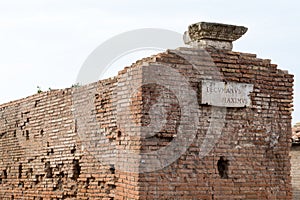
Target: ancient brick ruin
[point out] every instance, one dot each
(295, 157)
(190, 123)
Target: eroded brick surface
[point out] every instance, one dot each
(74, 143)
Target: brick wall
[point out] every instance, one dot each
(295, 171)
(295, 156)
(89, 142)
(254, 143)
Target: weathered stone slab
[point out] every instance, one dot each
(216, 35)
(223, 94)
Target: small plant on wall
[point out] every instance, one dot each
(39, 90)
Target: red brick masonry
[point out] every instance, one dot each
(42, 156)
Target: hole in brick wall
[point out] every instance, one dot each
(51, 151)
(119, 134)
(36, 103)
(48, 170)
(21, 184)
(223, 167)
(4, 174)
(112, 186)
(61, 175)
(2, 134)
(58, 186)
(37, 179)
(20, 171)
(88, 180)
(73, 150)
(112, 169)
(42, 132)
(15, 133)
(101, 183)
(102, 103)
(27, 134)
(76, 169)
(75, 126)
(24, 113)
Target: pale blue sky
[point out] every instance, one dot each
(45, 42)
